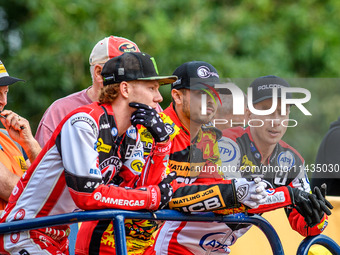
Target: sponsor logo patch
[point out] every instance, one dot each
(132, 133)
(242, 191)
(164, 149)
(114, 161)
(15, 237)
(94, 171)
(153, 198)
(20, 214)
(104, 126)
(86, 120)
(269, 86)
(277, 197)
(102, 147)
(323, 225)
(114, 132)
(2, 68)
(212, 242)
(97, 196)
(137, 165)
(204, 72)
(227, 152)
(116, 201)
(169, 128)
(247, 165)
(127, 47)
(286, 160)
(206, 200)
(270, 191)
(21, 161)
(91, 185)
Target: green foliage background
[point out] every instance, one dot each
(48, 43)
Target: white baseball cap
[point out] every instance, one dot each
(111, 47)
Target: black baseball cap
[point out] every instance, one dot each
(132, 66)
(195, 75)
(5, 79)
(263, 87)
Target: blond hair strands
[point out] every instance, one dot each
(109, 93)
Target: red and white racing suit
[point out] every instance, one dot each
(186, 158)
(75, 171)
(241, 158)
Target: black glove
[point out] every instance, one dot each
(324, 203)
(148, 117)
(308, 205)
(166, 190)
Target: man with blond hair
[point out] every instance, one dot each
(91, 150)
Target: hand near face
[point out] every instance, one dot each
(148, 117)
(18, 127)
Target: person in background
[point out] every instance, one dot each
(104, 50)
(16, 141)
(327, 163)
(224, 117)
(244, 151)
(194, 156)
(258, 150)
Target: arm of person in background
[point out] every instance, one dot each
(19, 130)
(306, 212)
(304, 222)
(311, 218)
(307, 226)
(8, 181)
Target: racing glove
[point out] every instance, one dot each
(166, 190)
(148, 117)
(250, 193)
(325, 205)
(310, 206)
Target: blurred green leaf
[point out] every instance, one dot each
(48, 43)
